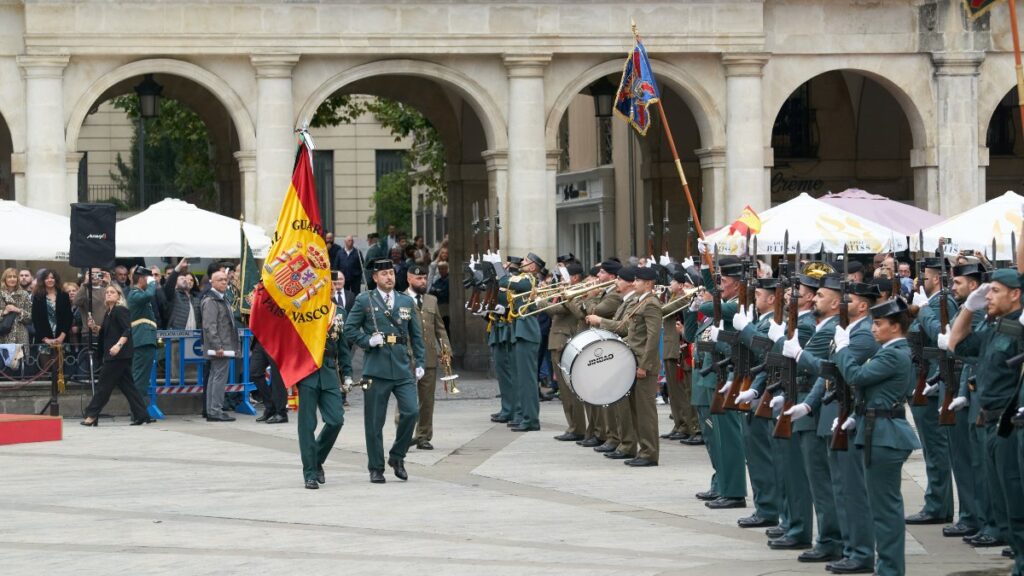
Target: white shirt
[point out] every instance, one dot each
(387, 297)
(855, 322)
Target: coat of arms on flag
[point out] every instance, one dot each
(975, 8)
(295, 271)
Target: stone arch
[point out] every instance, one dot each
(220, 89)
(702, 105)
(996, 82)
(921, 130)
(491, 118)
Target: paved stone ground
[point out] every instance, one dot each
(189, 497)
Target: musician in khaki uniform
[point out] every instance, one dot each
(620, 436)
(684, 416)
(563, 325)
(435, 339)
(641, 327)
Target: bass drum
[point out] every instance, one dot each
(598, 366)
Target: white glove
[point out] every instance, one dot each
(499, 309)
(850, 423)
(1020, 411)
(687, 263)
(931, 389)
(747, 396)
(664, 260)
(696, 302)
(920, 298)
(563, 272)
(725, 389)
(650, 261)
(835, 422)
(792, 348)
(943, 339)
(703, 246)
(376, 340)
(959, 403)
(777, 400)
(776, 331)
(741, 319)
(799, 411)
(419, 373)
(346, 385)
(841, 338)
(714, 330)
(976, 299)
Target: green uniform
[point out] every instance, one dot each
(938, 497)
(846, 466)
(378, 251)
(881, 383)
(764, 482)
(814, 448)
(703, 386)
(993, 343)
(321, 390)
(526, 339)
(140, 306)
(388, 367)
(499, 339)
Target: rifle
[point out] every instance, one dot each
(474, 299)
(840, 389)
(498, 271)
(490, 280)
(650, 232)
(691, 238)
(787, 366)
(742, 376)
(719, 362)
(664, 230)
(947, 363)
(916, 339)
(772, 384)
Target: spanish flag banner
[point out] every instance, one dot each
(748, 221)
(292, 308)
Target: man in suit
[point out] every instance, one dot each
(340, 294)
(349, 260)
(140, 306)
(563, 326)
(384, 323)
(435, 340)
(220, 342)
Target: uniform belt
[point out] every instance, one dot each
(142, 321)
(394, 339)
(898, 412)
(986, 417)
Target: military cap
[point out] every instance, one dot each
(890, 307)
(536, 260)
(141, 271)
(574, 268)
(382, 264)
(417, 270)
(372, 235)
(933, 262)
(866, 290)
(854, 266)
(831, 282)
(565, 258)
(627, 273)
(1007, 277)
(731, 266)
(593, 271)
(768, 283)
(881, 283)
(514, 260)
(646, 273)
(611, 266)
(969, 270)
(683, 277)
(809, 281)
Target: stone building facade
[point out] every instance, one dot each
(497, 78)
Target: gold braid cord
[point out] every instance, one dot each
(60, 370)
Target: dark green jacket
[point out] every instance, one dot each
(862, 346)
(390, 361)
(140, 306)
(992, 347)
(818, 347)
(528, 328)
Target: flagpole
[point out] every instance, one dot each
(679, 169)
(1017, 60)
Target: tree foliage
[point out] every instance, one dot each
(178, 155)
(392, 200)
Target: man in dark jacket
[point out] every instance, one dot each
(349, 260)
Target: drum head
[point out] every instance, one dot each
(604, 369)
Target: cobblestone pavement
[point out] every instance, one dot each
(184, 496)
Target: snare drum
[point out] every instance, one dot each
(598, 366)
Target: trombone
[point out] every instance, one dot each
(448, 380)
(566, 294)
(676, 305)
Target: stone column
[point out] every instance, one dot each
(924, 163)
(18, 177)
(744, 142)
(275, 138)
(247, 166)
(548, 212)
(71, 164)
(530, 207)
(984, 161)
(45, 171)
(956, 78)
(712, 192)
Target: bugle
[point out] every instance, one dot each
(566, 294)
(676, 305)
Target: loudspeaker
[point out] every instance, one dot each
(92, 235)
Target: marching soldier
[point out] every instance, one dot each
(641, 327)
(684, 417)
(435, 339)
(383, 323)
(563, 326)
(499, 339)
(321, 390)
(525, 344)
(882, 431)
(140, 306)
(993, 344)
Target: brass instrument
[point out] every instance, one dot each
(446, 366)
(676, 305)
(566, 294)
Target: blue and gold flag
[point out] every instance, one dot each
(976, 8)
(637, 90)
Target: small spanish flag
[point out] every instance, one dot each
(292, 308)
(748, 221)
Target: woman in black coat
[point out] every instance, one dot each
(115, 350)
(51, 318)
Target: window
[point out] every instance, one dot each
(323, 176)
(1002, 130)
(795, 132)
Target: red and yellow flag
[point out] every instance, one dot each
(748, 221)
(292, 308)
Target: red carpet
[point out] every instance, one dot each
(21, 428)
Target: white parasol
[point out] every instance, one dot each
(31, 234)
(976, 228)
(174, 227)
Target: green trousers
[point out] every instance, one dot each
(375, 412)
(994, 522)
(886, 502)
(961, 460)
(938, 496)
(1006, 488)
(760, 466)
(644, 414)
(731, 471)
(425, 391)
(525, 356)
(814, 450)
(701, 401)
(849, 487)
(142, 367)
(318, 391)
(503, 371)
(799, 504)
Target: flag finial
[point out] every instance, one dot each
(632, 26)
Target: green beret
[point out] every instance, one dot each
(1007, 277)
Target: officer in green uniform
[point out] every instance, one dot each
(766, 489)
(993, 344)
(813, 447)
(847, 466)
(882, 430)
(938, 496)
(702, 386)
(526, 339)
(383, 323)
(321, 390)
(378, 250)
(140, 306)
(499, 339)
(728, 428)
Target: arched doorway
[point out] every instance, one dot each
(842, 129)
(1005, 143)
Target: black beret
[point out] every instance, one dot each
(855, 266)
(611, 266)
(574, 268)
(593, 271)
(646, 274)
(382, 264)
(418, 270)
(683, 277)
(627, 273)
(890, 307)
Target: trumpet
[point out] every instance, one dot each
(676, 305)
(566, 294)
(446, 366)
